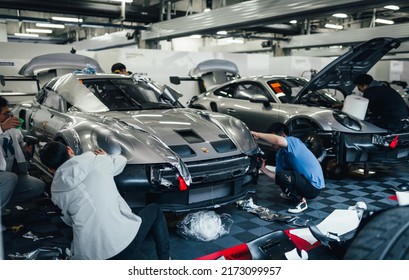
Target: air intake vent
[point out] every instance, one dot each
(183, 151)
(190, 136)
(224, 146)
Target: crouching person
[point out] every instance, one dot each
(104, 226)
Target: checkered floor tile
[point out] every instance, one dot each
(41, 217)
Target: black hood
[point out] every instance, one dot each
(340, 73)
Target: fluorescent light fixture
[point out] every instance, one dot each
(384, 21)
(334, 26)
(340, 15)
(294, 21)
(222, 32)
(50, 25)
(26, 35)
(68, 19)
(35, 30)
(392, 7)
(195, 36)
(126, 1)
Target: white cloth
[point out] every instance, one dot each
(18, 142)
(84, 189)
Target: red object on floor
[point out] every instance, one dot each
(239, 252)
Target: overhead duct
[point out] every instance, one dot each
(348, 37)
(251, 14)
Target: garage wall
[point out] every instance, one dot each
(14, 55)
(161, 64)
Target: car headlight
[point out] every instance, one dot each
(347, 120)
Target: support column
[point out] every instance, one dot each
(3, 31)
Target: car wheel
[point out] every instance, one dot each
(384, 237)
(306, 131)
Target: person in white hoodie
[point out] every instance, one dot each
(104, 226)
(15, 182)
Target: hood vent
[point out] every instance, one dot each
(224, 146)
(190, 136)
(183, 151)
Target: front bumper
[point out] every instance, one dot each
(214, 183)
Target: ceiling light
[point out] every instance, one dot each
(50, 25)
(26, 35)
(392, 7)
(340, 15)
(294, 21)
(384, 21)
(48, 31)
(126, 1)
(195, 36)
(68, 19)
(333, 26)
(221, 32)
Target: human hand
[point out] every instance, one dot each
(255, 134)
(11, 122)
(99, 151)
(28, 148)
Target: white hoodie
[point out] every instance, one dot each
(84, 189)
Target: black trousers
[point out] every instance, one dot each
(295, 185)
(153, 225)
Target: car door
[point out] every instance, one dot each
(257, 116)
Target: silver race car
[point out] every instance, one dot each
(184, 159)
(311, 113)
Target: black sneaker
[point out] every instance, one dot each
(283, 195)
(300, 207)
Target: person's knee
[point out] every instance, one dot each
(284, 178)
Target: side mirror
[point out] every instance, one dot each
(174, 80)
(259, 98)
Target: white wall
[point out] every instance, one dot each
(161, 64)
(14, 55)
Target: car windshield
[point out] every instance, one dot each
(124, 94)
(287, 90)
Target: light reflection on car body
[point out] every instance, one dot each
(166, 144)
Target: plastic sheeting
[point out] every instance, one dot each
(205, 225)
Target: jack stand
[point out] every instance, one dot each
(363, 172)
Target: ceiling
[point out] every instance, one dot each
(154, 20)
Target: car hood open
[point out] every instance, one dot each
(340, 73)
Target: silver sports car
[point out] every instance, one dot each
(310, 112)
(181, 158)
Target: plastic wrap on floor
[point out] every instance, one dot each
(205, 225)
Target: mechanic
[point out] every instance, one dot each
(298, 172)
(16, 184)
(386, 108)
(119, 68)
(104, 226)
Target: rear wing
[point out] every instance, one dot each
(210, 73)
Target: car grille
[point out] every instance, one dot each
(218, 169)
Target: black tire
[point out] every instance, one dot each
(384, 237)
